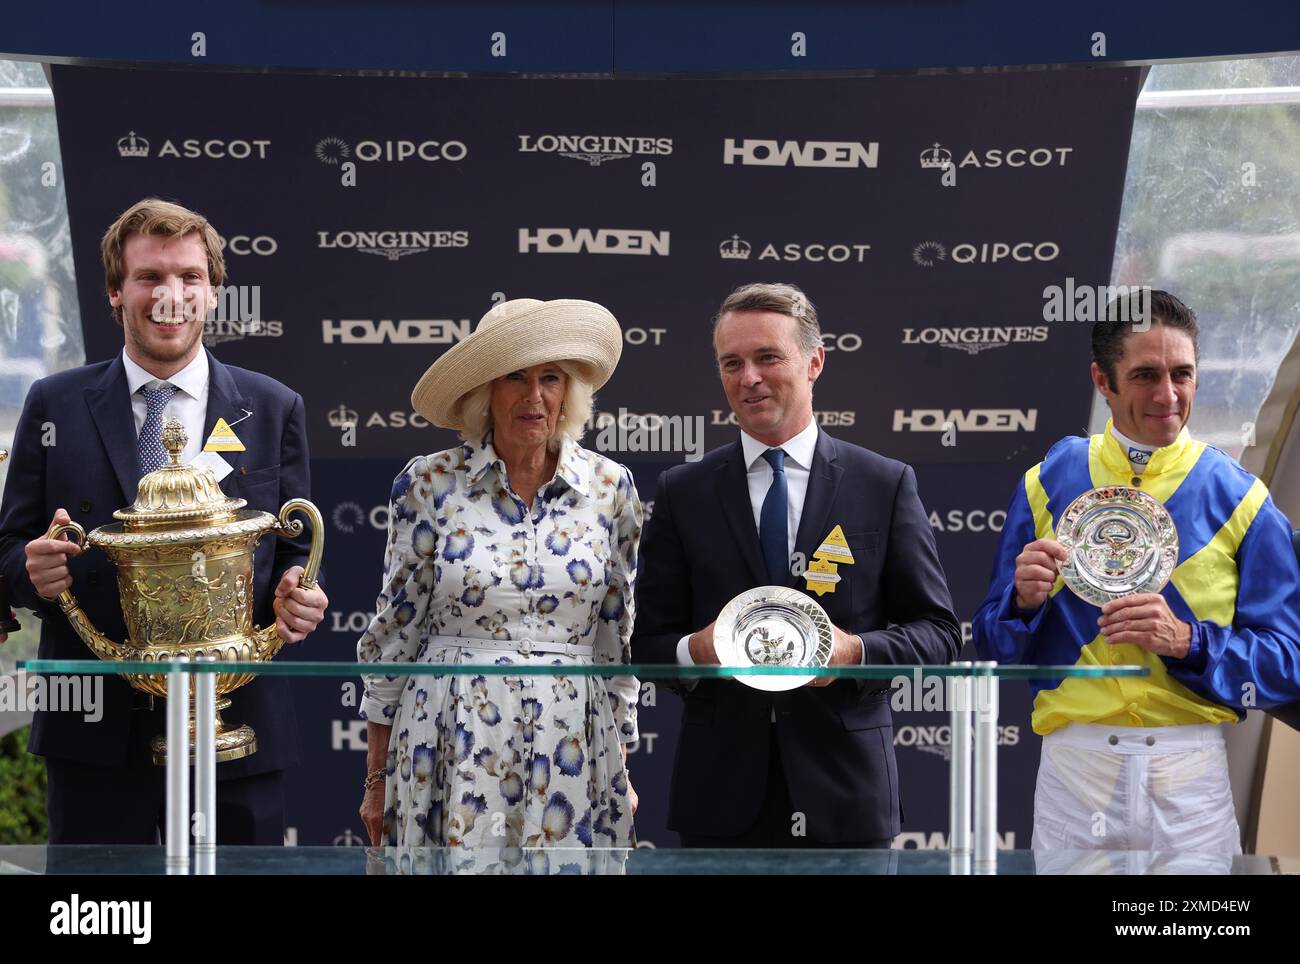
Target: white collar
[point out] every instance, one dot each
(191, 379)
(1139, 454)
(800, 448)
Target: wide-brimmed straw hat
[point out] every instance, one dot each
(519, 334)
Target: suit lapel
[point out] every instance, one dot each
(109, 401)
(225, 401)
(733, 495)
(823, 480)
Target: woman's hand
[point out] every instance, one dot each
(372, 813)
(633, 800)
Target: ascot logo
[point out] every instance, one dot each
(735, 249)
(335, 150)
(408, 331)
(392, 244)
(132, 146)
(343, 417)
(927, 254)
(769, 153)
(213, 148)
(936, 157)
(595, 149)
(974, 340)
(600, 241)
(972, 520)
(966, 420)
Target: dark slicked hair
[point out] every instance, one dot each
(1158, 307)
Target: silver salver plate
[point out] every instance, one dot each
(1120, 541)
(773, 626)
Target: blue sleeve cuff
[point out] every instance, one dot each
(1009, 612)
(1194, 661)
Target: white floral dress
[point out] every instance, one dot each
(506, 761)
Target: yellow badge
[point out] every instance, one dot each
(835, 548)
(223, 439)
(821, 576)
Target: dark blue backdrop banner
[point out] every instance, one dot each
(508, 36)
(371, 221)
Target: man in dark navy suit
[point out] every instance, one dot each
(812, 766)
(84, 440)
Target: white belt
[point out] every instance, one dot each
(1138, 739)
(524, 647)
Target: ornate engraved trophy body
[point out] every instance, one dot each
(184, 558)
(1120, 541)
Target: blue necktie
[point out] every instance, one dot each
(152, 454)
(773, 522)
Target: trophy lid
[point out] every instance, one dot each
(178, 494)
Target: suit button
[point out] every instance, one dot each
(85, 505)
(1137, 482)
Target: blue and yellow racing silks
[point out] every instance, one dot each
(1236, 583)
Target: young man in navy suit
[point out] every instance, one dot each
(84, 440)
(812, 766)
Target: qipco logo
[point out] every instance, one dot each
(991, 252)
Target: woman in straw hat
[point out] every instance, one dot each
(517, 547)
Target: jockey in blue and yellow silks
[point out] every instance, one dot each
(1223, 635)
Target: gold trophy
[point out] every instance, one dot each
(184, 558)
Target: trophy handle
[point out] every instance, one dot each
(293, 529)
(268, 641)
(99, 644)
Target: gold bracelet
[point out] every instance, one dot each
(375, 777)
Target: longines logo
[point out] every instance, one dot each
(407, 331)
(936, 157)
(966, 420)
(335, 150)
(770, 153)
(343, 417)
(135, 146)
(219, 330)
(840, 419)
(243, 244)
(594, 149)
(938, 739)
(973, 339)
(927, 254)
(599, 241)
(969, 520)
(392, 244)
(737, 249)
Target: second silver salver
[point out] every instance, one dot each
(1120, 541)
(773, 626)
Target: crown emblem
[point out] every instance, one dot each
(936, 158)
(342, 417)
(132, 146)
(735, 249)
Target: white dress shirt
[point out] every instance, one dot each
(799, 452)
(189, 404)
